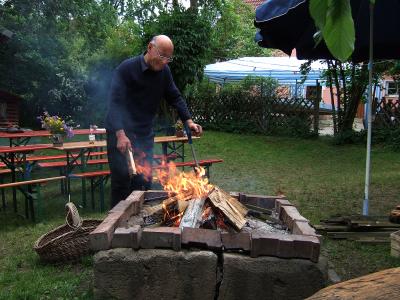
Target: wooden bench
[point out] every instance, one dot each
(31, 193)
(97, 179)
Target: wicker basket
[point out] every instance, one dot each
(65, 243)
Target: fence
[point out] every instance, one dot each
(387, 114)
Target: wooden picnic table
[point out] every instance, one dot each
(15, 156)
(18, 138)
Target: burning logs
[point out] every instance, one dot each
(215, 210)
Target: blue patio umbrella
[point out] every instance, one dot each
(287, 25)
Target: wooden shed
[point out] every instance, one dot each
(9, 109)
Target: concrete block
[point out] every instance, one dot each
(236, 241)
(127, 237)
(201, 238)
(154, 274)
(270, 278)
(161, 237)
(264, 244)
(289, 215)
(281, 202)
(307, 247)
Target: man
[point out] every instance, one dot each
(138, 85)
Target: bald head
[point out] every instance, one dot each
(159, 52)
(163, 42)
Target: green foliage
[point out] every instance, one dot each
(350, 137)
(190, 33)
(389, 137)
(233, 33)
(334, 19)
(62, 54)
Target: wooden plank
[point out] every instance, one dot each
(229, 206)
(323, 227)
(357, 235)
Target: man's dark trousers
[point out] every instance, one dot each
(122, 184)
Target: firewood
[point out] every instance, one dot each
(151, 210)
(192, 215)
(232, 209)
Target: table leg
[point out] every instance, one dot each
(83, 168)
(13, 178)
(68, 174)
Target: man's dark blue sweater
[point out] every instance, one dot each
(136, 92)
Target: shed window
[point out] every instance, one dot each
(392, 88)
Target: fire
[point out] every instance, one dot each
(183, 185)
(143, 166)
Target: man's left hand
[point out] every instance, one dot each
(195, 128)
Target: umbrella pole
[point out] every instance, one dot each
(369, 111)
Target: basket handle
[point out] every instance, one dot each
(72, 219)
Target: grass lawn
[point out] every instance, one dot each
(318, 177)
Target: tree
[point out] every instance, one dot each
(190, 32)
(233, 32)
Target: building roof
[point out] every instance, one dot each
(254, 3)
(284, 69)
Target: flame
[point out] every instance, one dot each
(183, 185)
(143, 166)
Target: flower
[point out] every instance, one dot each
(178, 125)
(56, 125)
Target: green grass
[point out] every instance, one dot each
(320, 178)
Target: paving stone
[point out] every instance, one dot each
(264, 244)
(307, 247)
(202, 238)
(267, 202)
(100, 238)
(281, 202)
(161, 237)
(126, 237)
(304, 228)
(233, 241)
(289, 215)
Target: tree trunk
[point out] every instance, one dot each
(358, 87)
(334, 114)
(338, 95)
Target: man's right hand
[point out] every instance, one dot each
(123, 143)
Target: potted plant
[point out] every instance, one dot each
(179, 129)
(57, 127)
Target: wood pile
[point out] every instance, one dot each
(215, 210)
(364, 229)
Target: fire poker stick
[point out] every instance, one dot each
(190, 141)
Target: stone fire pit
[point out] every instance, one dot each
(193, 263)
